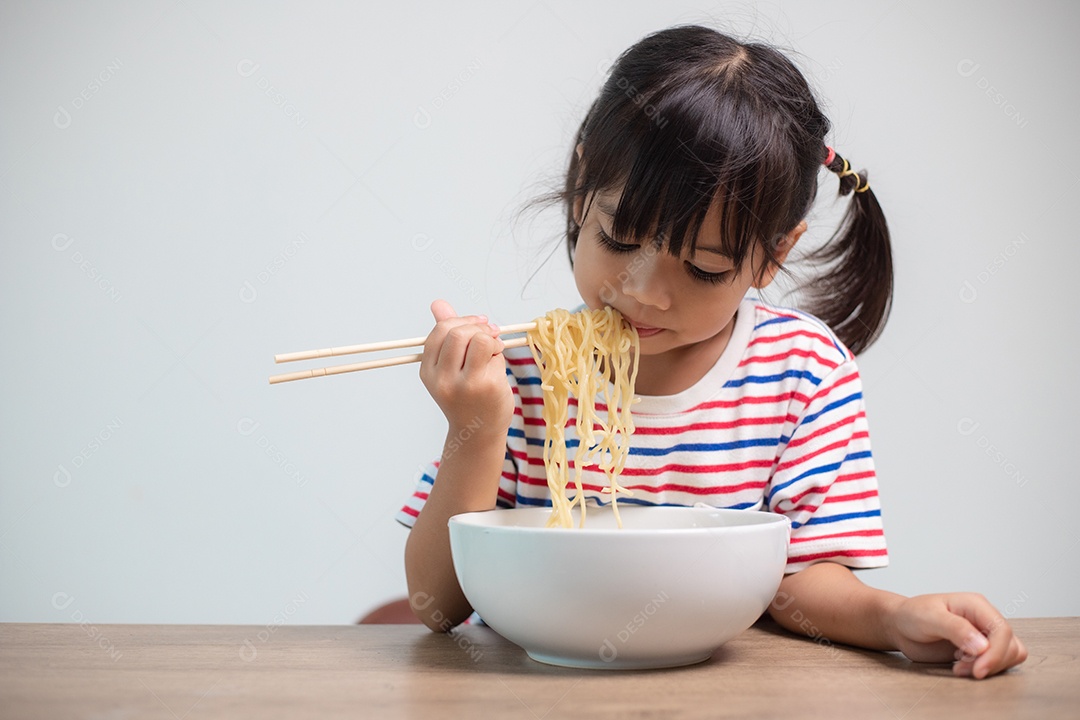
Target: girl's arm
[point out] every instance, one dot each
(464, 370)
(826, 601)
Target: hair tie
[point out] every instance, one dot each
(832, 160)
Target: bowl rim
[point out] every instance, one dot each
(764, 520)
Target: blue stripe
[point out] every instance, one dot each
(541, 502)
(764, 379)
(539, 442)
(773, 321)
(826, 330)
(817, 471)
(831, 406)
(705, 447)
(528, 381)
(838, 518)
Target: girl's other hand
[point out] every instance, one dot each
(960, 627)
(464, 370)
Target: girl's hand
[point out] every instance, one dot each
(464, 370)
(963, 627)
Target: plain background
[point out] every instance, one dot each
(189, 187)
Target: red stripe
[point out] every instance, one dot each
(842, 381)
(855, 476)
(831, 446)
(839, 478)
(853, 533)
(655, 489)
(852, 496)
(838, 553)
(409, 511)
(764, 340)
(762, 359)
(782, 398)
(727, 425)
(795, 442)
(811, 508)
(693, 490)
(540, 400)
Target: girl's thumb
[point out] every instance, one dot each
(442, 310)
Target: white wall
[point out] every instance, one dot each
(188, 188)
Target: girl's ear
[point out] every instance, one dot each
(783, 247)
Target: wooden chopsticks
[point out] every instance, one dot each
(374, 347)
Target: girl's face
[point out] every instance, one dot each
(679, 305)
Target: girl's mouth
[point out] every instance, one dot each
(644, 331)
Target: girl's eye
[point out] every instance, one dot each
(708, 276)
(612, 244)
(617, 247)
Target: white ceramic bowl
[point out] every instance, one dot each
(667, 589)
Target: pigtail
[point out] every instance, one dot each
(853, 292)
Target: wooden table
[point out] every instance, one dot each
(389, 671)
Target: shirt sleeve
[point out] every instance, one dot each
(411, 509)
(825, 481)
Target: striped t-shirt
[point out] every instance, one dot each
(777, 424)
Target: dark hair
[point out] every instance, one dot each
(688, 116)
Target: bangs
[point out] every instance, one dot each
(684, 147)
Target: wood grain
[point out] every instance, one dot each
(392, 671)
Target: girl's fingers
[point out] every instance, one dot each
(993, 649)
(460, 338)
(989, 663)
(447, 321)
(961, 632)
(482, 347)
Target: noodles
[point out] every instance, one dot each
(577, 354)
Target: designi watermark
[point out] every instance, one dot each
(969, 292)
(247, 427)
(248, 651)
(62, 477)
(248, 292)
(967, 68)
(61, 242)
(247, 67)
(422, 118)
(608, 650)
(422, 601)
(62, 118)
(62, 601)
(968, 427)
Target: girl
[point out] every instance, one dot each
(688, 186)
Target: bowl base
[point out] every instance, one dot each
(617, 663)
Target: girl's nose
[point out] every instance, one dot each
(645, 278)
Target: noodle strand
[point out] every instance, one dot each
(577, 354)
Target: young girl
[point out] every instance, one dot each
(688, 185)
